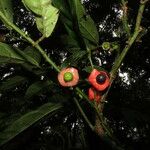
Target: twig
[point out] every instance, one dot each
(84, 96)
(110, 140)
(140, 14)
(84, 115)
(30, 41)
(100, 117)
(89, 57)
(121, 57)
(125, 18)
(98, 129)
(131, 41)
(35, 44)
(40, 39)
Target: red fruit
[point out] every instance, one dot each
(99, 80)
(68, 77)
(94, 95)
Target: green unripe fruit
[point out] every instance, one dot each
(68, 76)
(106, 45)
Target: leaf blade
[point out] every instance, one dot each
(36, 88)
(6, 9)
(26, 121)
(7, 52)
(47, 15)
(87, 27)
(47, 22)
(10, 55)
(11, 83)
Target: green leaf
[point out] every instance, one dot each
(63, 7)
(47, 22)
(74, 59)
(10, 55)
(6, 9)
(67, 20)
(36, 6)
(87, 26)
(7, 120)
(69, 42)
(79, 25)
(11, 83)
(37, 88)
(47, 15)
(27, 121)
(59, 97)
(89, 69)
(27, 58)
(33, 53)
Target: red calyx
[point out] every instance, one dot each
(99, 79)
(94, 95)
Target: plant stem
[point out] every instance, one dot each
(121, 57)
(139, 16)
(84, 115)
(84, 96)
(132, 39)
(125, 18)
(128, 46)
(89, 57)
(99, 128)
(40, 39)
(47, 58)
(29, 40)
(100, 117)
(36, 45)
(98, 113)
(110, 140)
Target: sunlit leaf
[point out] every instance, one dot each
(6, 9)
(46, 15)
(27, 121)
(36, 6)
(47, 22)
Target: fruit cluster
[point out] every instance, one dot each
(99, 80)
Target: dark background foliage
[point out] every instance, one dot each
(127, 110)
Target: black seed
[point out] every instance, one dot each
(101, 78)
